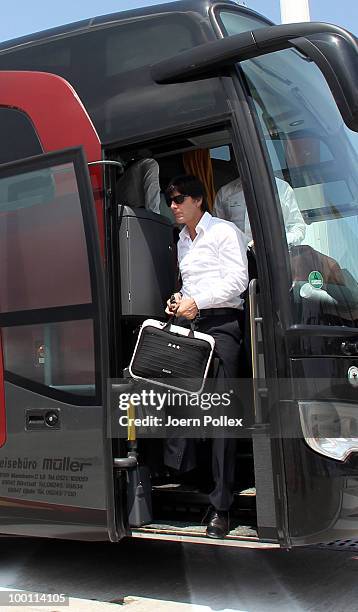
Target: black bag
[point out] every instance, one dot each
(172, 356)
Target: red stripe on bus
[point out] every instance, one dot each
(60, 120)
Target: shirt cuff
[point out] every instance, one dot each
(292, 239)
(202, 301)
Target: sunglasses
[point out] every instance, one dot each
(178, 199)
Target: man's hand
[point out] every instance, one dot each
(172, 306)
(187, 308)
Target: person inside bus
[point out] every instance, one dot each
(139, 186)
(230, 204)
(214, 273)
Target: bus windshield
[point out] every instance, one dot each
(312, 150)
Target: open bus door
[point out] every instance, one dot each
(53, 457)
(303, 101)
(56, 476)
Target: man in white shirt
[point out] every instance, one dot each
(230, 204)
(213, 267)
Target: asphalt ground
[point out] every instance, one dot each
(146, 576)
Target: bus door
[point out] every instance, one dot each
(307, 132)
(55, 457)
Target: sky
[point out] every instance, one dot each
(22, 17)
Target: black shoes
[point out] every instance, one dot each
(218, 525)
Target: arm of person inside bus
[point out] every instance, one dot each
(294, 223)
(219, 206)
(151, 186)
(233, 267)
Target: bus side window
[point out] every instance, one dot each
(43, 267)
(17, 129)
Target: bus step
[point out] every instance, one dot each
(196, 528)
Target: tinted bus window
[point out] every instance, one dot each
(17, 129)
(145, 42)
(235, 22)
(314, 153)
(109, 67)
(42, 242)
(317, 155)
(48, 335)
(59, 355)
(106, 51)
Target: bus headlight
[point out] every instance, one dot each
(330, 428)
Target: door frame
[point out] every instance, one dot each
(97, 309)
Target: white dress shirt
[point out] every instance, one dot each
(213, 266)
(230, 204)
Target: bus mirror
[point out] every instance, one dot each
(333, 49)
(21, 191)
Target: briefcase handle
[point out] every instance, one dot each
(172, 321)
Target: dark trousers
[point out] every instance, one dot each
(181, 453)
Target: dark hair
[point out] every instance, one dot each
(187, 184)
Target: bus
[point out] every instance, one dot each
(214, 89)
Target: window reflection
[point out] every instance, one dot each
(58, 355)
(316, 154)
(42, 241)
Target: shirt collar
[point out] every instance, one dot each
(201, 226)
